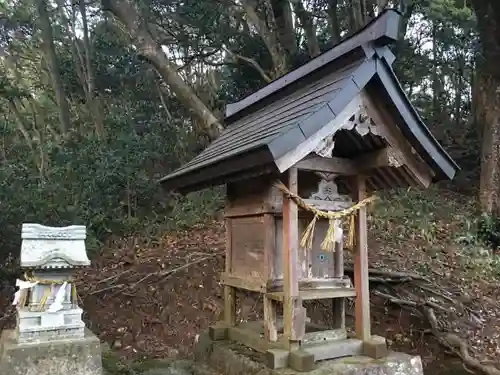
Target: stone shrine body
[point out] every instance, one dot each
(50, 255)
(50, 337)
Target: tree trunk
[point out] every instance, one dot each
(488, 95)
(92, 101)
(284, 22)
(476, 105)
(403, 27)
(333, 19)
(83, 62)
(381, 5)
(436, 85)
(268, 31)
(306, 21)
(490, 155)
(368, 10)
(49, 51)
(356, 18)
(458, 90)
(152, 51)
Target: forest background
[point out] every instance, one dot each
(98, 101)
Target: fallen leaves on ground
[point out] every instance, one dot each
(151, 297)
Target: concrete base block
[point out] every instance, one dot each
(228, 358)
(218, 331)
(276, 358)
(62, 357)
(301, 361)
(376, 347)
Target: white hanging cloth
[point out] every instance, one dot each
(339, 232)
(21, 284)
(59, 298)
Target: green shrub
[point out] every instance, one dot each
(488, 230)
(111, 187)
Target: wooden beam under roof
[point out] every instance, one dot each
(346, 166)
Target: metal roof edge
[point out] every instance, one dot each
(316, 126)
(416, 131)
(386, 54)
(285, 144)
(381, 31)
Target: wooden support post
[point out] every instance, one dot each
(270, 329)
(361, 281)
(294, 313)
(339, 303)
(229, 291)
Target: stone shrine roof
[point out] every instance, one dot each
(53, 247)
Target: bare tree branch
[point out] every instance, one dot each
(149, 48)
(252, 62)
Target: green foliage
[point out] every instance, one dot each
(240, 80)
(417, 215)
(441, 224)
(108, 183)
(107, 186)
(488, 230)
(481, 232)
(453, 10)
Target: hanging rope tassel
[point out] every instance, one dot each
(44, 299)
(328, 243)
(307, 237)
(74, 294)
(352, 232)
(23, 298)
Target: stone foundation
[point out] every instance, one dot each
(33, 326)
(228, 358)
(80, 356)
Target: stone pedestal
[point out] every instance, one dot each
(38, 327)
(228, 358)
(76, 356)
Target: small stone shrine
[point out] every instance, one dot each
(302, 159)
(50, 336)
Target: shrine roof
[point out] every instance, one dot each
(53, 247)
(269, 124)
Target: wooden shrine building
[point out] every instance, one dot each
(301, 159)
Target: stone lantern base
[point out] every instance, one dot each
(76, 356)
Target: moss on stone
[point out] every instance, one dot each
(112, 365)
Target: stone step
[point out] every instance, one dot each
(182, 368)
(333, 348)
(200, 369)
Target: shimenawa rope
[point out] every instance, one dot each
(48, 292)
(328, 243)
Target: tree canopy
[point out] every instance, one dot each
(98, 99)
